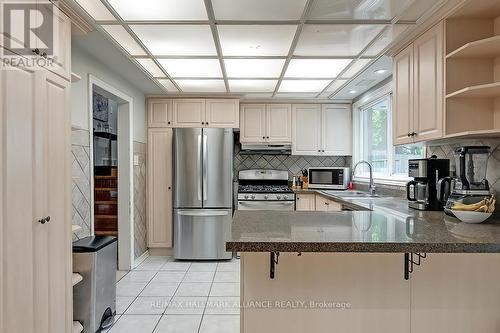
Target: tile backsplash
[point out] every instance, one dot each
(293, 164)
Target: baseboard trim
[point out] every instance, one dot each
(139, 260)
(160, 251)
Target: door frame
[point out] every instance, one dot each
(125, 169)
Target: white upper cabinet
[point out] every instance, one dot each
(279, 123)
(253, 123)
(322, 129)
(336, 129)
(189, 112)
(403, 96)
(223, 113)
(160, 113)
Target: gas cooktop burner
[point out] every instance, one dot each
(264, 189)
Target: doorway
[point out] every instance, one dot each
(112, 209)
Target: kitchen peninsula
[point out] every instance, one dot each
(384, 269)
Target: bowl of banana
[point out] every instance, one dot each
(474, 213)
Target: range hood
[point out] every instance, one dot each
(263, 148)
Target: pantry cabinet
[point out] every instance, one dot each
(418, 89)
(266, 123)
(324, 130)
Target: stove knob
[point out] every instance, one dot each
(246, 196)
(278, 197)
(253, 196)
(266, 197)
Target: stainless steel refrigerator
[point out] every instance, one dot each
(203, 192)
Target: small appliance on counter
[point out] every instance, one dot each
(422, 192)
(469, 186)
(331, 178)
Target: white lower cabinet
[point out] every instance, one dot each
(305, 201)
(326, 205)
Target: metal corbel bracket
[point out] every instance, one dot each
(411, 260)
(274, 258)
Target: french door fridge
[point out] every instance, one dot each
(203, 192)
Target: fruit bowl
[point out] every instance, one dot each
(471, 217)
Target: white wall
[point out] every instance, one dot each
(83, 64)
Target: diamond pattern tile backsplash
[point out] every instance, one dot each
(80, 172)
(293, 164)
(140, 241)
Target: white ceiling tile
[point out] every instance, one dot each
(168, 85)
(418, 8)
(316, 68)
(201, 85)
(123, 38)
(261, 68)
(357, 66)
(176, 39)
(150, 66)
(357, 9)
(160, 9)
(256, 40)
(335, 40)
(192, 67)
(96, 10)
(335, 85)
(252, 85)
(258, 9)
(384, 40)
(303, 85)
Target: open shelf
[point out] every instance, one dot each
(484, 48)
(76, 278)
(490, 90)
(77, 327)
(106, 135)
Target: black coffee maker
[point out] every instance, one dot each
(422, 192)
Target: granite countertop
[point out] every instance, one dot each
(385, 225)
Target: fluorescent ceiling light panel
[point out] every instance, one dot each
(168, 85)
(96, 10)
(123, 38)
(316, 68)
(385, 39)
(201, 85)
(335, 85)
(192, 67)
(176, 39)
(256, 40)
(274, 10)
(303, 85)
(150, 66)
(252, 85)
(356, 67)
(357, 10)
(145, 10)
(261, 68)
(335, 40)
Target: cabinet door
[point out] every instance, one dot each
(160, 113)
(306, 129)
(456, 293)
(428, 57)
(327, 205)
(159, 191)
(189, 113)
(403, 96)
(305, 202)
(253, 123)
(223, 113)
(279, 123)
(336, 130)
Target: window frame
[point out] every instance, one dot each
(367, 101)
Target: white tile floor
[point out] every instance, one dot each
(166, 296)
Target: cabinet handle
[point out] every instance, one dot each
(267, 137)
(264, 137)
(36, 51)
(413, 134)
(44, 55)
(326, 203)
(202, 123)
(169, 187)
(168, 122)
(409, 134)
(44, 220)
(206, 123)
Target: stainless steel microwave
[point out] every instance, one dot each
(333, 178)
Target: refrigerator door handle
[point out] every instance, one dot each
(198, 212)
(205, 165)
(199, 162)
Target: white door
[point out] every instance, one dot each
(306, 129)
(160, 113)
(403, 96)
(336, 130)
(253, 123)
(279, 123)
(189, 112)
(223, 113)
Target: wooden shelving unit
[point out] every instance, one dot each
(106, 205)
(490, 90)
(483, 48)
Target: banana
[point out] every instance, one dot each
(487, 205)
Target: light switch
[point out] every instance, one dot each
(136, 159)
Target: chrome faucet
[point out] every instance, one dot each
(372, 186)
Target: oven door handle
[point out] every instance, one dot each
(266, 203)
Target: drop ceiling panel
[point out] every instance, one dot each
(259, 68)
(201, 85)
(386, 39)
(357, 9)
(252, 85)
(175, 40)
(295, 95)
(168, 85)
(335, 40)
(256, 40)
(303, 85)
(275, 10)
(316, 68)
(123, 38)
(335, 85)
(357, 66)
(160, 9)
(96, 10)
(190, 68)
(150, 66)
